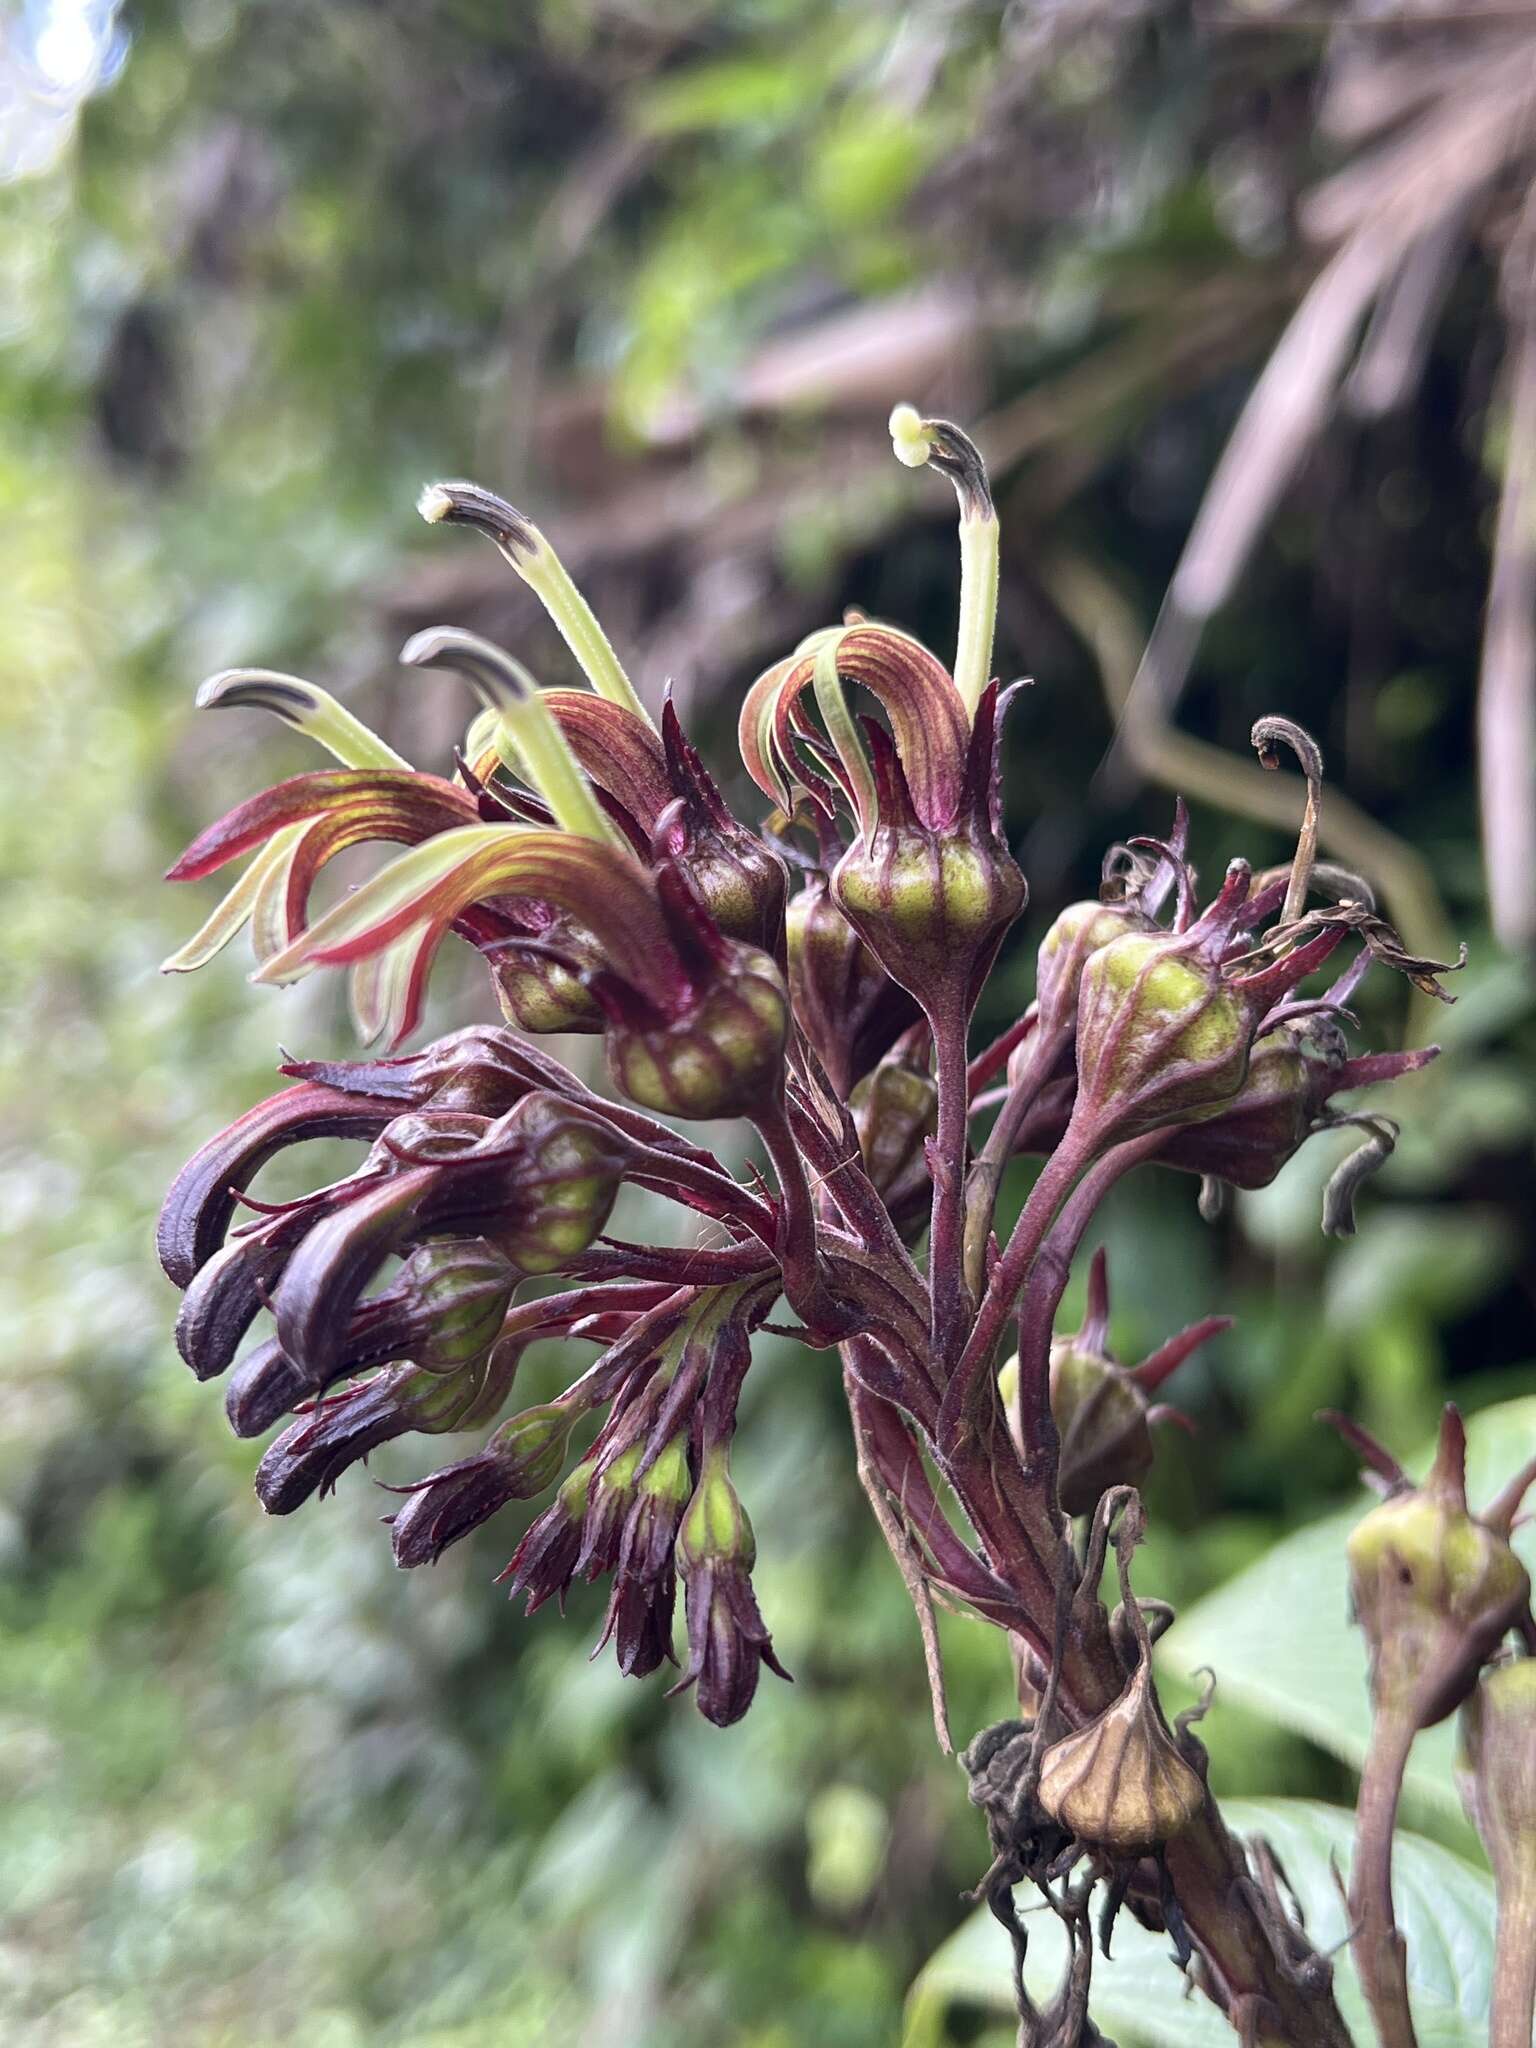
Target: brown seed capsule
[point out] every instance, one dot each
(1121, 1783)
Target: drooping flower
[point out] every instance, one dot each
(728, 1640)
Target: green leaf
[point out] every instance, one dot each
(1445, 1908)
(1279, 1638)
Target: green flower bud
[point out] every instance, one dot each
(458, 1291)
(932, 906)
(1102, 1417)
(845, 1002)
(716, 1529)
(1497, 1768)
(564, 1186)
(1164, 1023)
(895, 1108)
(720, 1056)
(1435, 1589)
(607, 1499)
(1160, 1038)
(539, 992)
(520, 1460)
(1081, 930)
(727, 1639)
(1103, 1411)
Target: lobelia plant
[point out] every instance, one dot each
(816, 976)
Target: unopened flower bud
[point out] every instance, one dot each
(1434, 1588)
(312, 1453)
(566, 1177)
(727, 1641)
(740, 879)
(661, 1494)
(639, 1618)
(1497, 1770)
(1160, 1037)
(443, 1312)
(1103, 1411)
(929, 903)
(610, 1495)
(720, 1056)
(845, 1002)
(1284, 1095)
(895, 1108)
(540, 986)
(523, 1458)
(1081, 930)
(544, 1563)
(1166, 1020)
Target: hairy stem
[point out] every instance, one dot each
(1381, 1956)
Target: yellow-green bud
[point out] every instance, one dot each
(715, 1525)
(562, 1193)
(895, 1108)
(1435, 1589)
(720, 1058)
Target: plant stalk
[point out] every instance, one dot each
(1513, 2012)
(1381, 1955)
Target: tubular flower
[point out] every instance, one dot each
(523, 1458)
(928, 882)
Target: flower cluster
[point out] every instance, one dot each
(816, 975)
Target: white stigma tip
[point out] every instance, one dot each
(909, 437)
(434, 504)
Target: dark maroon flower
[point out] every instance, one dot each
(523, 1458)
(342, 1429)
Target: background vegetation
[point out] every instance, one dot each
(659, 271)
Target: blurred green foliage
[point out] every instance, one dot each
(292, 260)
